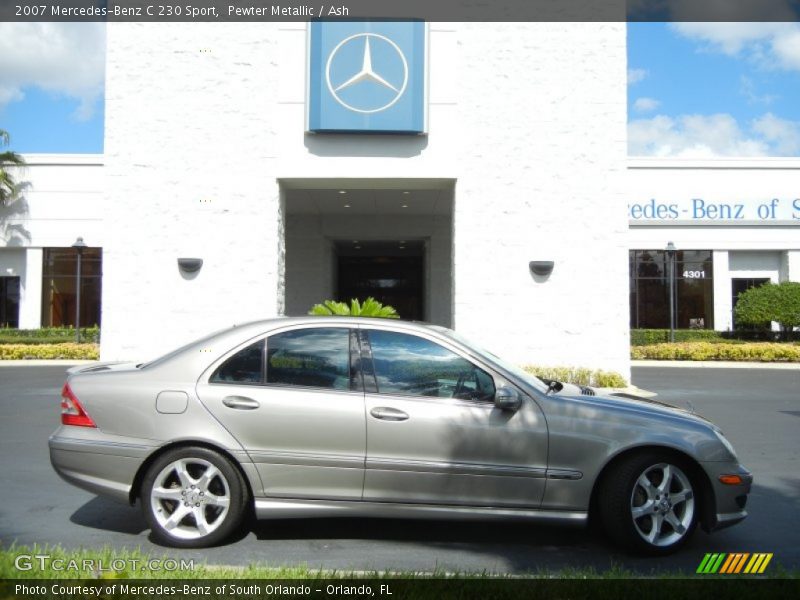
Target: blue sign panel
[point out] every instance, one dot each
(367, 77)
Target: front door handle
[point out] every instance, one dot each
(388, 414)
(240, 402)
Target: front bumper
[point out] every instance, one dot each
(729, 500)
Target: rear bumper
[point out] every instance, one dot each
(95, 462)
(729, 500)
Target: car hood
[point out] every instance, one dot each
(628, 400)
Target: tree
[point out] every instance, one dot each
(9, 188)
(771, 302)
(369, 308)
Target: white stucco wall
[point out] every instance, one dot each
(528, 118)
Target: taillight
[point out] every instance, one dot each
(72, 412)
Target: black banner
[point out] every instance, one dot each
(211, 11)
(389, 588)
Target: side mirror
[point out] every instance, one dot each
(506, 398)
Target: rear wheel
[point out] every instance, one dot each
(647, 504)
(193, 497)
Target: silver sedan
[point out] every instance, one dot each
(337, 416)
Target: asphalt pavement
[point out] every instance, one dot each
(759, 410)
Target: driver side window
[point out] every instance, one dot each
(409, 365)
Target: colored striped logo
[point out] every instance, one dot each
(735, 563)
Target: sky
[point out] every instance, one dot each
(694, 89)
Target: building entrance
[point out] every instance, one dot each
(392, 272)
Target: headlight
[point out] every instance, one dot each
(726, 443)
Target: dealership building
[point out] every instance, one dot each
(474, 175)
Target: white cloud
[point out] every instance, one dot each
(636, 75)
(61, 58)
(646, 104)
(748, 89)
(784, 135)
(770, 45)
(713, 135)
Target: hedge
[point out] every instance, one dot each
(579, 376)
(756, 352)
(48, 335)
(643, 337)
(49, 351)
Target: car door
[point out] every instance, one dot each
(435, 436)
(295, 402)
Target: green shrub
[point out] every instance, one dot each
(369, 308)
(756, 352)
(643, 337)
(49, 351)
(579, 375)
(770, 302)
(48, 335)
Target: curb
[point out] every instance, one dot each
(716, 364)
(35, 362)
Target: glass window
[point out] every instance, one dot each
(246, 366)
(9, 302)
(59, 273)
(649, 289)
(317, 357)
(410, 365)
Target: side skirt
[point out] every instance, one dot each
(270, 508)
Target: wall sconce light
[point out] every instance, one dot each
(190, 265)
(543, 268)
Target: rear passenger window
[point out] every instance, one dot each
(246, 366)
(317, 357)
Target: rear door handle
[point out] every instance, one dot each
(240, 402)
(388, 414)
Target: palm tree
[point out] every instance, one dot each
(9, 188)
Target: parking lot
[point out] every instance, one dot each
(759, 410)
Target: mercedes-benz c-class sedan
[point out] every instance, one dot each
(340, 416)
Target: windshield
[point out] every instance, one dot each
(491, 357)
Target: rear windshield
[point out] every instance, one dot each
(169, 355)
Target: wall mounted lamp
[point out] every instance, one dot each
(190, 265)
(543, 268)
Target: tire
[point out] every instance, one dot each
(193, 497)
(648, 503)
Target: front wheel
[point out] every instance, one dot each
(193, 497)
(648, 504)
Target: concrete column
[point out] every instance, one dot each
(30, 306)
(790, 265)
(723, 319)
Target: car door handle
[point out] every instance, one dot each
(388, 414)
(240, 402)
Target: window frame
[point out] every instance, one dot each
(354, 366)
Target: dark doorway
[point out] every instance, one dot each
(391, 272)
(739, 285)
(9, 302)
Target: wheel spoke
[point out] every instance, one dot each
(637, 512)
(183, 473)
(647, 486)
(168, 493)
(214, 500)
(666, 481)
(205, 479)
(675, 522)
(657, 521)
(682, 496)
(176, 517)
(200, 518)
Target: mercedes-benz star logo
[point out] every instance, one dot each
(367, 74)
